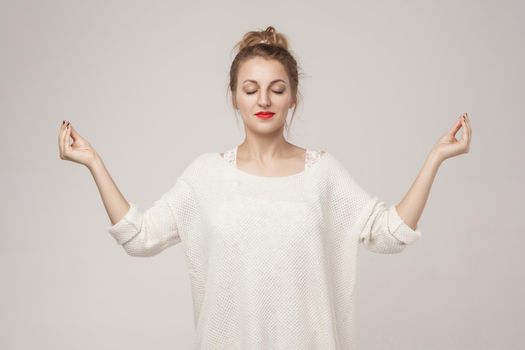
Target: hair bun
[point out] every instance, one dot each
(268, 36)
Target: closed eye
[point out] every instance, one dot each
(277, 92)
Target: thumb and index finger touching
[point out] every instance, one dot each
(463, 121)
(456, 126)
(67, 131)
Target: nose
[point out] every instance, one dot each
(264, 99)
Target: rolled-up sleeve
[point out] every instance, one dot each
(150, 232)
(384, 230)
(128, 226)
(364, 217)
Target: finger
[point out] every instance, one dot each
(468, 129)
(469, 124)
(465, 137)
(65, 140)
(73, 133)
(455, 128)
(60, 129)
(61, 138)
(68, 135)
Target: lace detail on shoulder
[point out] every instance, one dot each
(312, 157)
(229, 156)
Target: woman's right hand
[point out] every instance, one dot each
(80, 151)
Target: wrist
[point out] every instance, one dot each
(434, 158)
(95, 163)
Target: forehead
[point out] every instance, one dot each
(262, 70)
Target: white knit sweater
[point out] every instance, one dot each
(271, 260)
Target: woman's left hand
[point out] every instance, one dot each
(448, 146)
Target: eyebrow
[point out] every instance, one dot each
(253, 81)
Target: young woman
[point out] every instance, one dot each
(269, 229)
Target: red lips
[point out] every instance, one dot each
(265, 114)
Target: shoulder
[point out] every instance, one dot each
(201, 164)
(328, 159)
(205, 157)
(335, 169)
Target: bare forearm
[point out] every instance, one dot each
(114, 202)
(411, 206)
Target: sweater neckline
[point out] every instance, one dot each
(312, 158)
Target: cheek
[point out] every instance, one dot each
(282, 101)
(246, 99)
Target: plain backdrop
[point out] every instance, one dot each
(145, 83)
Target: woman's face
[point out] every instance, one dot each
(263, 85)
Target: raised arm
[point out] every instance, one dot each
(411, 206)
(144, 233)
(81, 152)
(114, 202)
(140, 233)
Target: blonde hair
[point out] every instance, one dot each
(268, 44)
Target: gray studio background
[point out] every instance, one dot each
(145, 83)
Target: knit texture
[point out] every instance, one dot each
(271, 260)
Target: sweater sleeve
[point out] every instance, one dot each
(380, 228)
(384, 231)
(150, 232)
